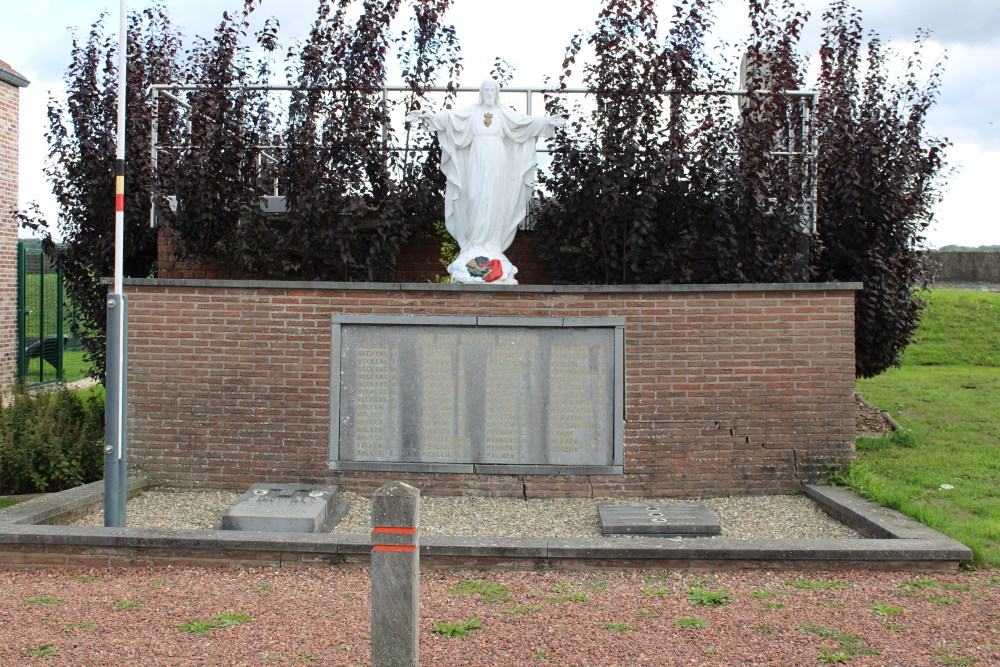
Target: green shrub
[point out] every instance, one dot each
(50, 442)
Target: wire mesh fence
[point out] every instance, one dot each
(47, 349)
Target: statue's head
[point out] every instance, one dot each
(488, 93)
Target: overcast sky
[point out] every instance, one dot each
(532, 36)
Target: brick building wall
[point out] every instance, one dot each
(10, 84)
(728, 389)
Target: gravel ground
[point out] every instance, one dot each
(299, 616)
(746, 517)
(320, 616)
(741, 517)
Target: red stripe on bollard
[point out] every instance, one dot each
(119, 203)
(394, 547)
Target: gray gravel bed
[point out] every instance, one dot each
(741, 517)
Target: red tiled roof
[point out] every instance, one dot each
(10, 75)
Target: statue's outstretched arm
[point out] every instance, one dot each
(420, 115)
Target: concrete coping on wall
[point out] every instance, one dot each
(517, 289)
(894, 542)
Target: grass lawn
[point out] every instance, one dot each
(6, 502)
(947, 397)
(74, 368)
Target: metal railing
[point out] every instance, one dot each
(799, 141)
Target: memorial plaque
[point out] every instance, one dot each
(664, 520)
(286, 508)
(433, 394)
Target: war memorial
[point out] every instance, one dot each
(486, 386)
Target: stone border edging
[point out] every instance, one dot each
(49, 507)
(893, 424)
(897, 543)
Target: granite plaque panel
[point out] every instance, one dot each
(286, 508)
(433, 394)
(667, 520)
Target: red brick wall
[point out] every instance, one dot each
(9, 125)
(742, 390)
(418, 262)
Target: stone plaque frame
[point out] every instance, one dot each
(343, 447)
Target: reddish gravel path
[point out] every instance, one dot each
(320, 617)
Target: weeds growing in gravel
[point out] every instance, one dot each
(262, 587)
(809, 585)
(690, 623)
(765, 629)
(882, 609)
(88, 578)
(944, 657)
(700, 595)
(520, 609)
(655, 592)
(849, 646)
(937, 599)
(485, 591)
(642, 613)
(458, 629)
(226, 619)
(71, 627)
(774, 605)
(43, 651)
(127, 604)
(760, 595)
(619, 627)
(578, 596)
(46, 600)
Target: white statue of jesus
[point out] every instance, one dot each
(488, 157)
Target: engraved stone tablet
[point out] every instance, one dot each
(286, 508)
(666, 520)
(436, 395)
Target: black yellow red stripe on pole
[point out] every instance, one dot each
(119, 186)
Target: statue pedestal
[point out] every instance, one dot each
(474, 259)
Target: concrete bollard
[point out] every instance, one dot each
(396, 576)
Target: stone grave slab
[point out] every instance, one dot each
(286, 508)
(666, 520)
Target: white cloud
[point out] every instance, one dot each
(968, 214)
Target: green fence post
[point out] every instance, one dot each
(60, 347)
(41, 318)
(22, 279)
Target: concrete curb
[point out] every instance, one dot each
(896, 542)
